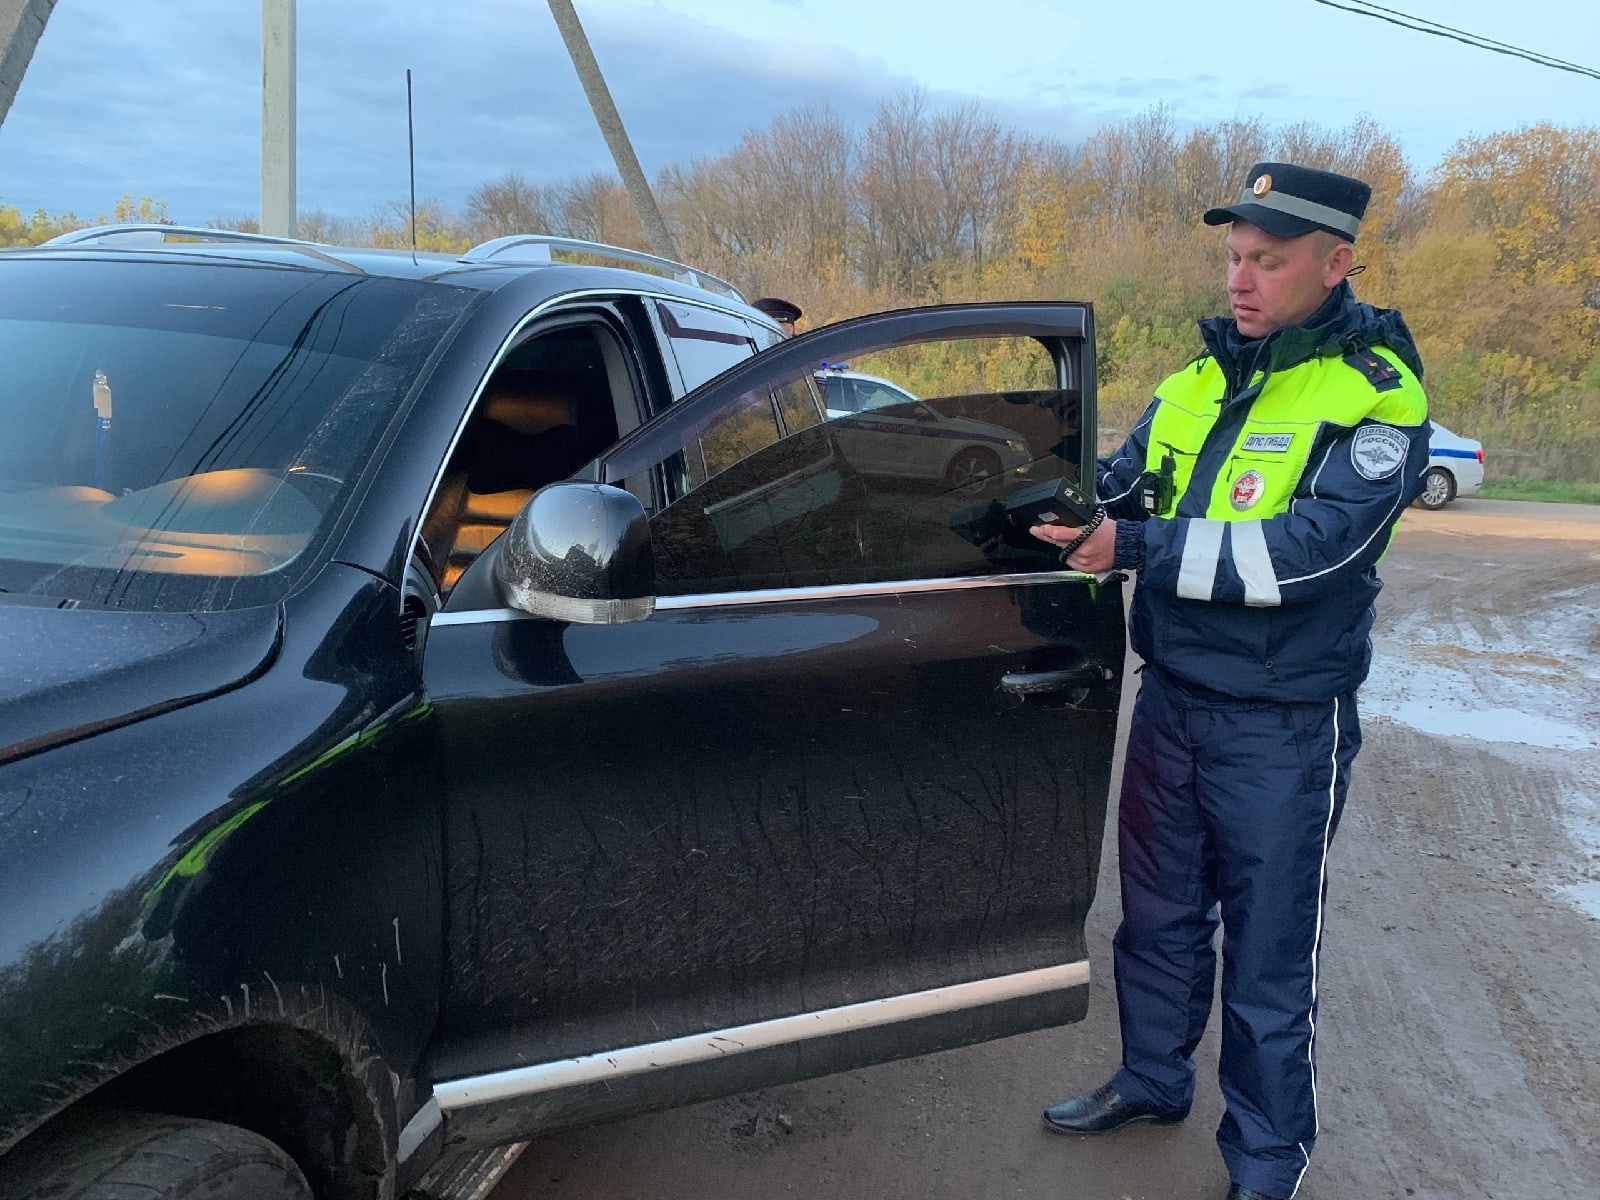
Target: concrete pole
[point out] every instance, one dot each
(278, 117)
(610, 121)
(21, 24)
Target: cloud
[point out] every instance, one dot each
(115, 104)
(171, 109)
(1271, 91)
(163, 99)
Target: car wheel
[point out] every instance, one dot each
(115, 1155)
(1438, 488)
(972, 470)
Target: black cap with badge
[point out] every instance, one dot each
(779, 310)
(1287, 201)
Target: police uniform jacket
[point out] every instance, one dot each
(1293, 457)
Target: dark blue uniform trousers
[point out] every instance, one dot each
(1228, 808)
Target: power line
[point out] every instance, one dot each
(1487, 42)
(1422, 25)
(1478, 41)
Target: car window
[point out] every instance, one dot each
(758, 420)
(764, 337)
(551, 405)
(872, 395)
(840, 393)
(704, 342)
(762, 501)
(799, 405)
(181, 436)
(749, 427)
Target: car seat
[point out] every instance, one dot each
(524, 435)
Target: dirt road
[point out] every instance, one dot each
(1460, 1037)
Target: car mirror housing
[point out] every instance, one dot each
(579, 552)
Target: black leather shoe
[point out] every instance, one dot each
(1243, 1193)
(1101, 1111)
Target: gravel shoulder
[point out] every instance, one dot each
(1460, 1035)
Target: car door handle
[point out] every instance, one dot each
(1041, 683)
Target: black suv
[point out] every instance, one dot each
(448, 699)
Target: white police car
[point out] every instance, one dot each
(886, 430)
(1455, 468)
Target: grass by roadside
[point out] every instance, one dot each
(1560, 490)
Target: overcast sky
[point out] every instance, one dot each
(161, 97)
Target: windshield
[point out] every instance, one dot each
(180, 436)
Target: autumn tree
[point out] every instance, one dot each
(1494, 255)
(19, 229)
(511, 205)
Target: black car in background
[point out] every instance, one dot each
(448, 699)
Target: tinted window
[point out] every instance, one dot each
(748, 427)
(799, 405)
(756, 421)
(907, 488)
(180, 436)
(763, 337)
(704, 343)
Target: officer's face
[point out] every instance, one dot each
(1274, 282)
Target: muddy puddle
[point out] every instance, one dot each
(1525, 683)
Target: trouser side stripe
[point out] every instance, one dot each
(1316, 940)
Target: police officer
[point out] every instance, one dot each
(784, 312)
(1254, 497)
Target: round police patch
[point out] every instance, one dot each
(1378, 451)
(1246, 491)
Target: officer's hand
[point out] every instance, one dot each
(1094, 556)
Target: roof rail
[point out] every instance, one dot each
(520, 247)
(136, 235)
(157, 235)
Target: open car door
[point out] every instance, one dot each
(840, 799)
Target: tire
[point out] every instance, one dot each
(117, 1155)
(1438, 488)
(972, 470)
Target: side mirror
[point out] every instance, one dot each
(579, 552)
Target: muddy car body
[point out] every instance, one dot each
(452, 699)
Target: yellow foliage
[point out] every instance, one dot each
(18, 230)
(1494, 259)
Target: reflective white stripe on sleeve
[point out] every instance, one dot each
(1202, 548)
(1254, 564)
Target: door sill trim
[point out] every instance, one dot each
(457, 1095)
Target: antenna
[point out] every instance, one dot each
(411, 158)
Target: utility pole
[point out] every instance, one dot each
(21, 24)
(610, 122)
(278, 117)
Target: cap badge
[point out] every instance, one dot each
(1247, 490)
(1262, 186)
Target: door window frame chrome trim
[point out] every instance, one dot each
(457, 1095)
(833, 591)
